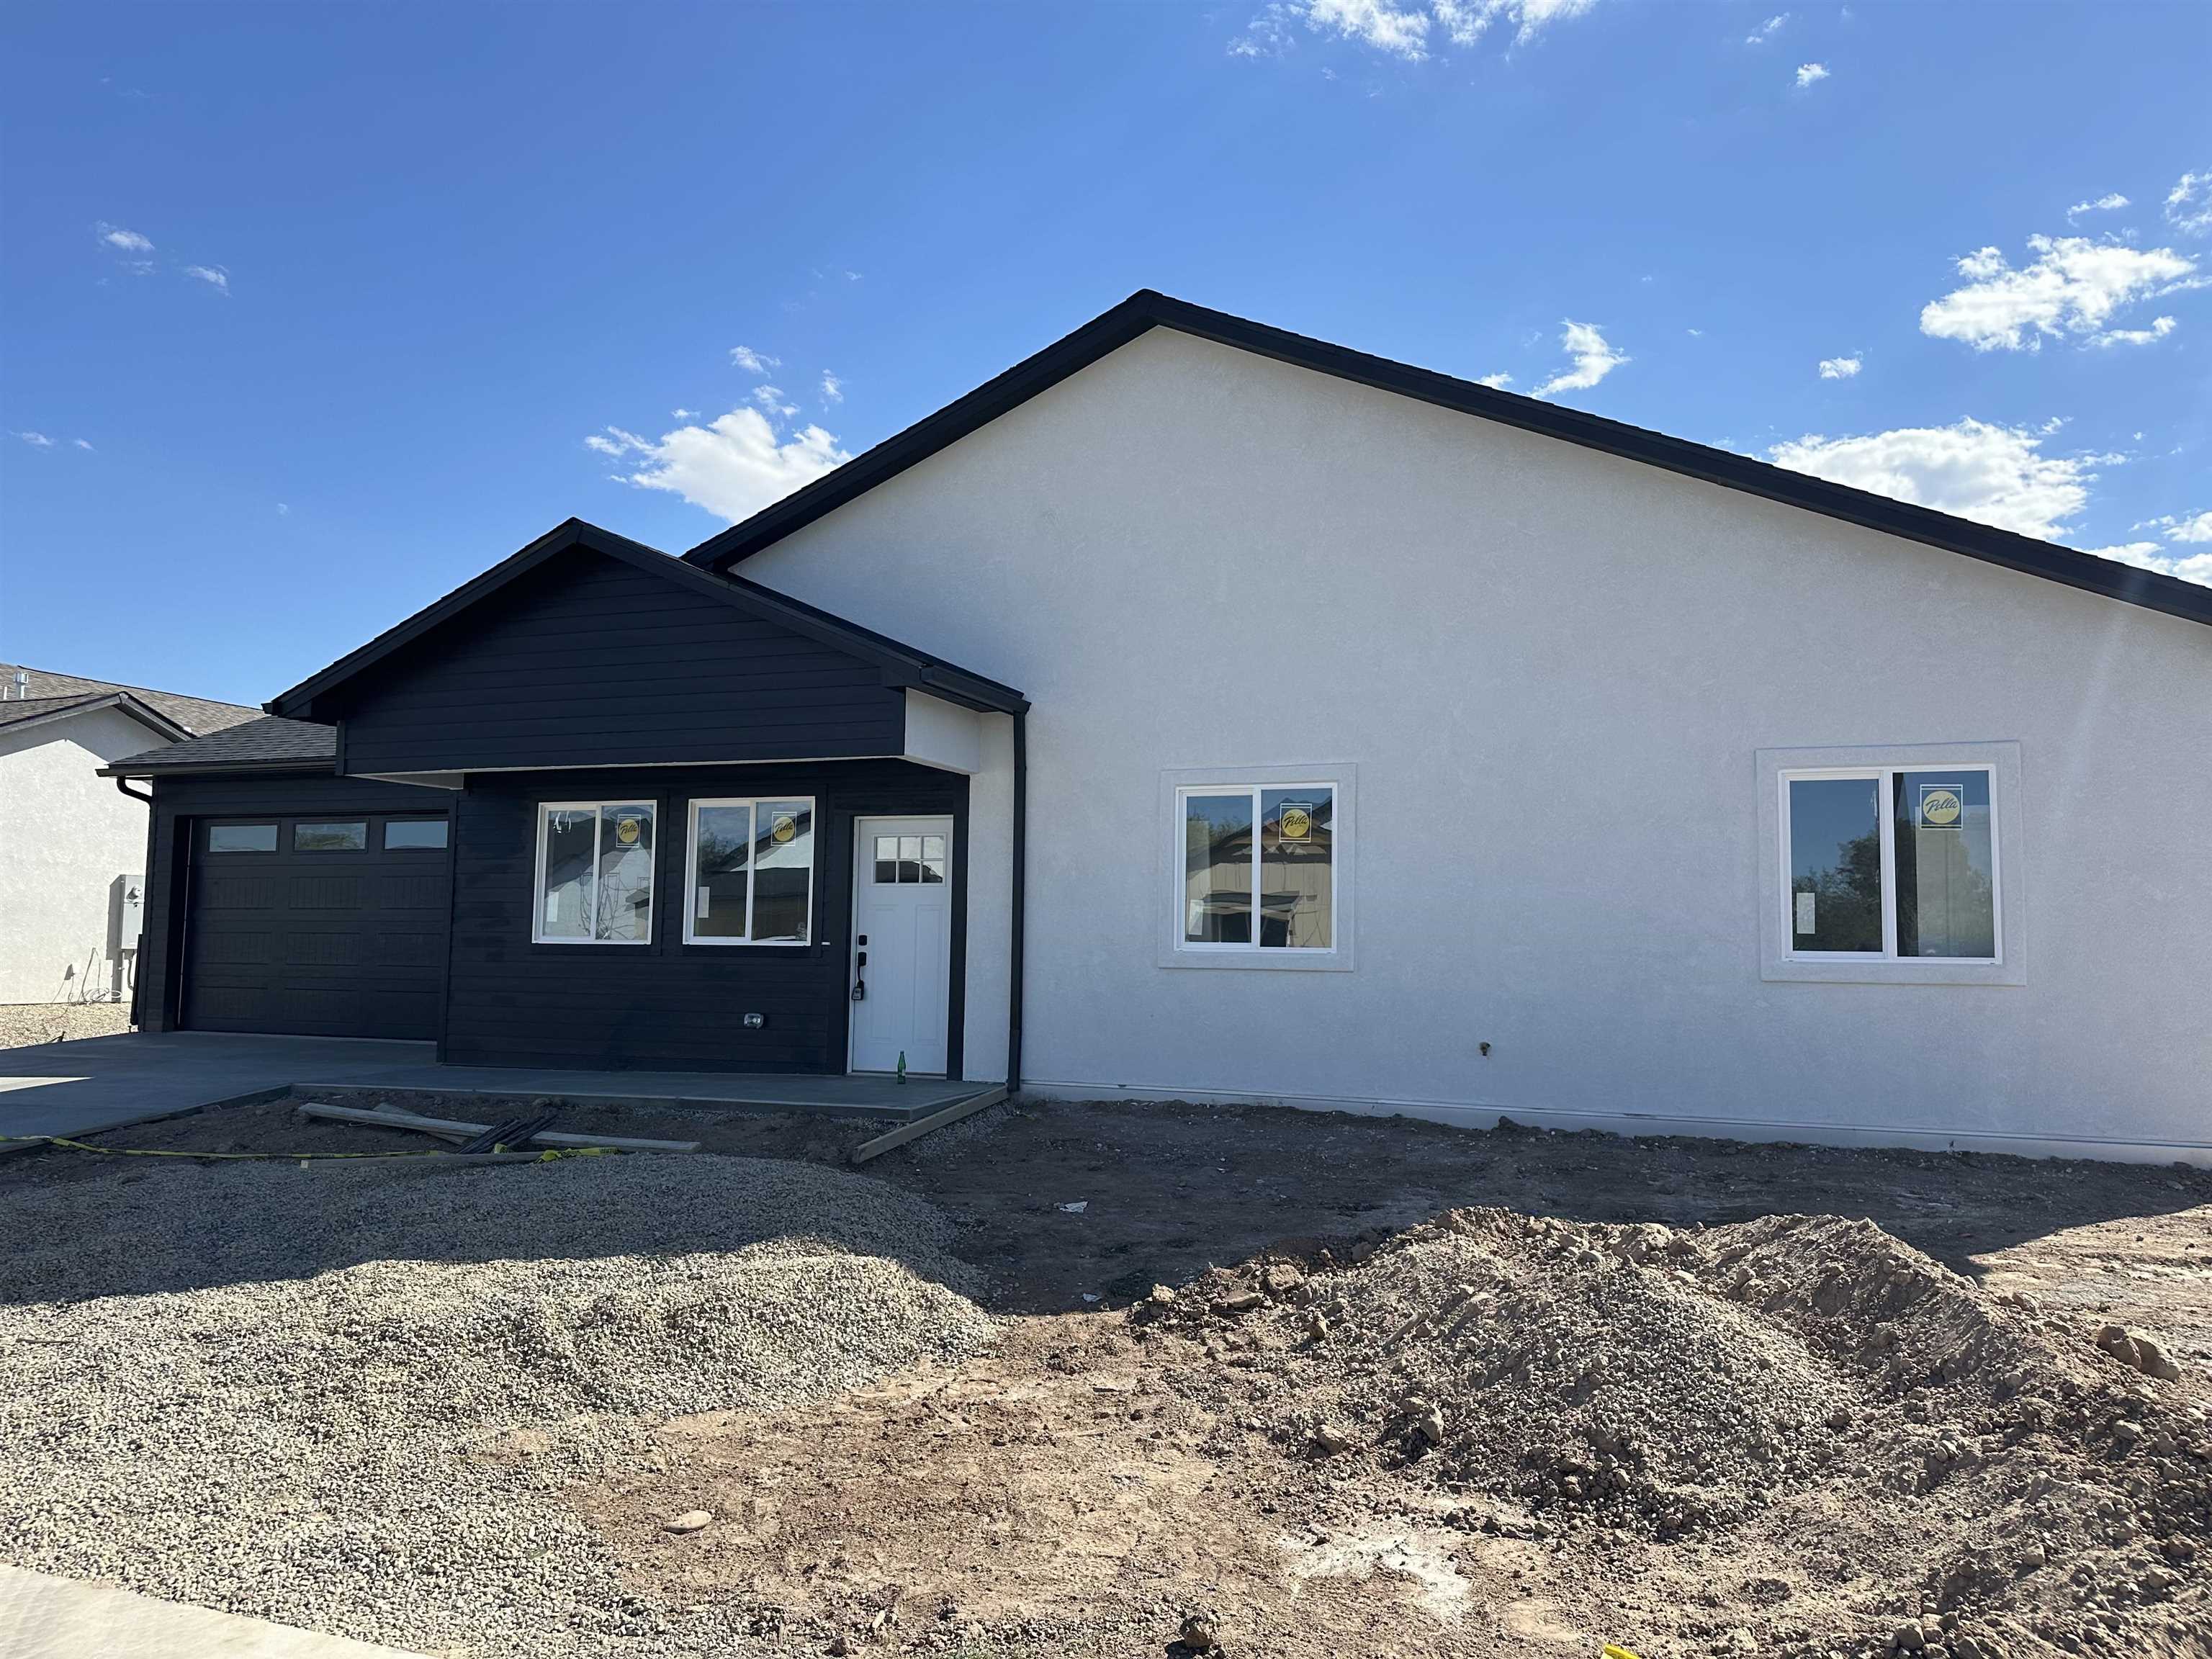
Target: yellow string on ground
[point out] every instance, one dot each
(545, 1155)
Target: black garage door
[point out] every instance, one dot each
(322, 926)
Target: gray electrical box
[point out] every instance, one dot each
(126, 911)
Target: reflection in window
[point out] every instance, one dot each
(1946, 876)
(402, 833)
(906, 861)
(722, 868)
(1835, 864)
(783, 870)
(1925, 889)
(1297, 905)
(241, 838)
(595, 862)
(330, 837)
(752, 871)
(1217, 869)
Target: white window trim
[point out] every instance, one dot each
(1175, 783)
(1779, 959)
(691, 871)
(537, 935)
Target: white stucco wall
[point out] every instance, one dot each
(65, 834)
(1553, 670)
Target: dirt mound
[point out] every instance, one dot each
(1811, 1390)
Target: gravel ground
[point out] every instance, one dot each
(23, 1024)
(349, 1396)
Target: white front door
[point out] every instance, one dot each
(902, 942)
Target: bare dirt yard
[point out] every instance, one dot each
(1118, 1379)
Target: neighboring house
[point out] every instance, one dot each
(72, 845)
(1382, 741)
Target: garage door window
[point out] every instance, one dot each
(241, 838)
(330, 837)
(408, 835)
(594, 873)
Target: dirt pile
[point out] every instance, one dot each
(1808, 1391)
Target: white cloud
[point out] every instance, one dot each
(1397, 29)
(733, 468)
(213, 276)
(771, 400)
(1994, 475)
(682, 414)
(754, 363)
(284, 509)
(833, 389)
(82, 443)
(1766, 32)
(1839, 369)
(2148, 555)
(1268, 35)
(2192, 527)
(1808, 73)
(1498, 381)
(36, 439)
(2189, 204)
(2111, 202)
(1594, 360)
(122, 241)
(1464, 21)
(2159, 329)
(1377, 23)
(2072, 285)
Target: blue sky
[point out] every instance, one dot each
(311, 313)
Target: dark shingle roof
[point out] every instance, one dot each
(197, 715)
(263, 743)
(18, 712)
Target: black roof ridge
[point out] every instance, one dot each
(904, 664)
(1147, 308)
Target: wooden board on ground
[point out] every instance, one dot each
(921, 1126)
(380, 1117)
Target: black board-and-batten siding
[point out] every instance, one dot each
(589, 661)
(663, 1005)
(668, 1004)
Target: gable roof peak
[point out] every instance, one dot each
(1148, 308)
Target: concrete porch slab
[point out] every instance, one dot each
(43, 1617)
(103, 1083)
(73, 1088)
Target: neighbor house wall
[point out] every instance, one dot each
(1553, 670)
(66, 833)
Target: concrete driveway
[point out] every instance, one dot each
(42, 1617)
(103, 1083)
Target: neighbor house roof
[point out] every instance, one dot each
(262, 743)
(19, 712)
(904, 664)
(195, 715)
(1145, 310)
